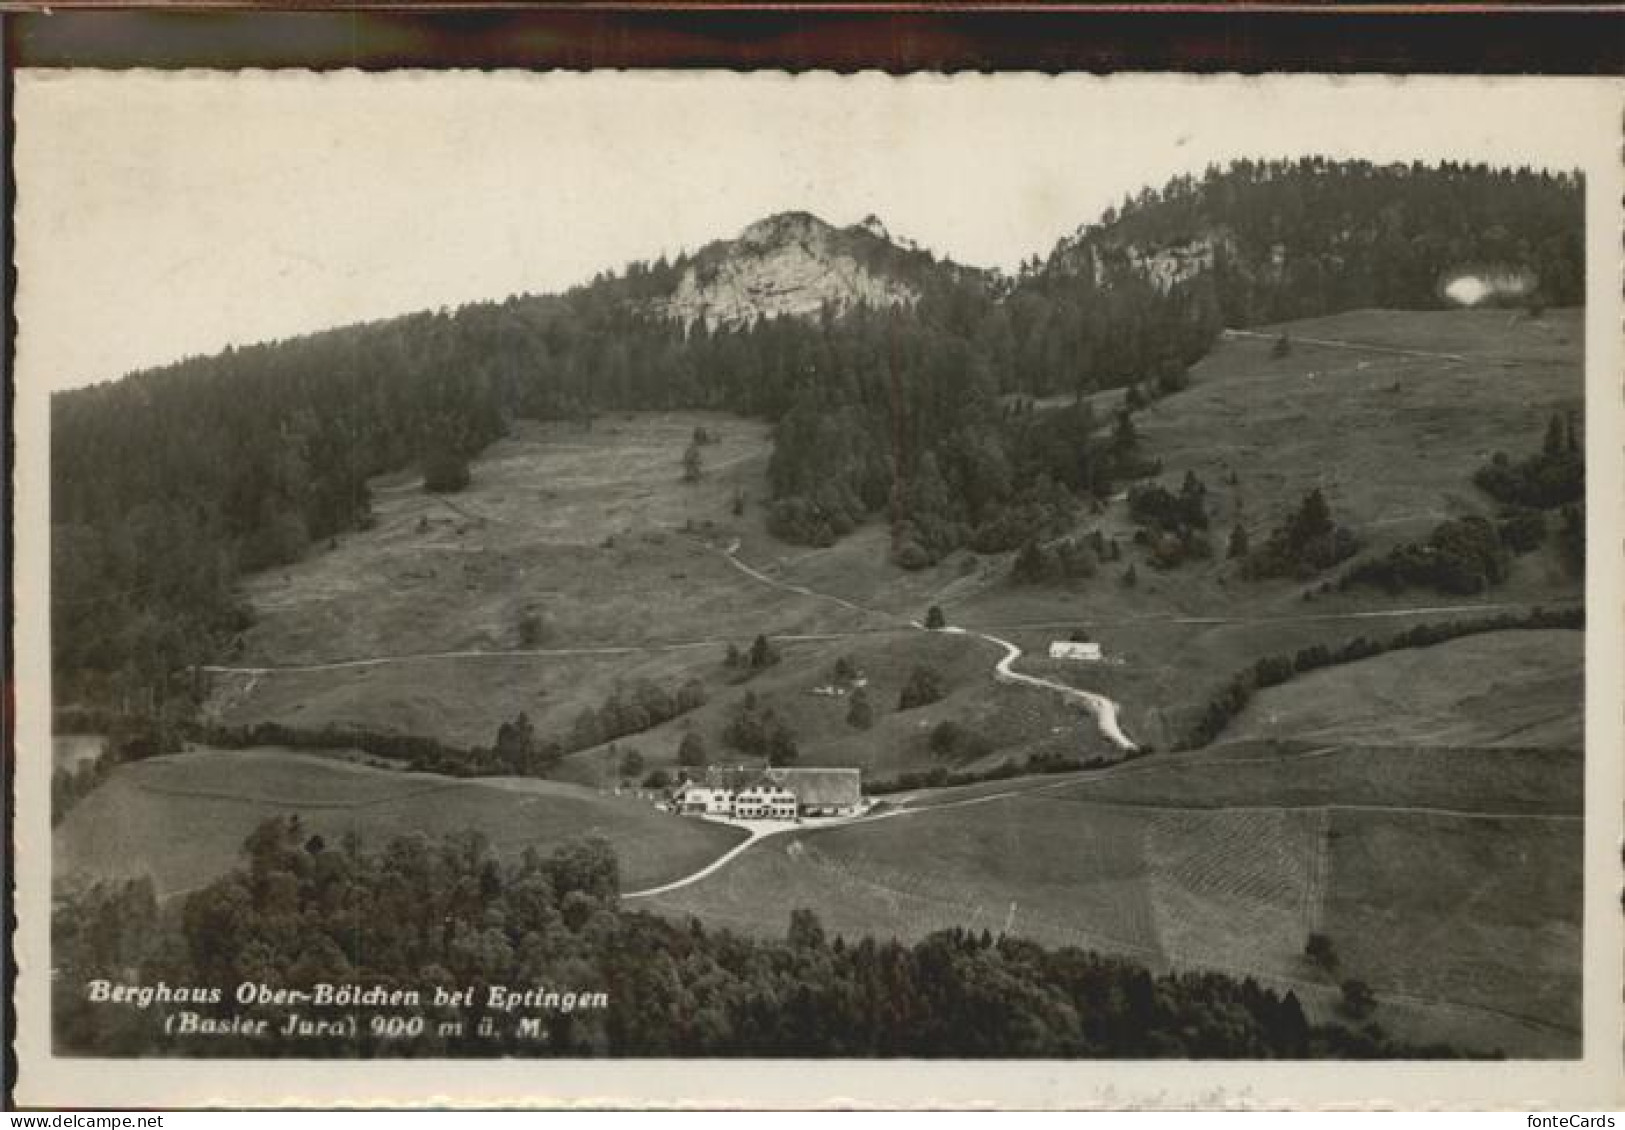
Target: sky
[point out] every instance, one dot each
(166, 215)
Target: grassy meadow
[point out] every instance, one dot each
(1198, 868)
(181, 819)
(1419, 807)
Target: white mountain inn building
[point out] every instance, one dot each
(772, 794)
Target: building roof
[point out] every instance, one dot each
(732, 777)
(821, 786)
(816, 787)
(1073, 649)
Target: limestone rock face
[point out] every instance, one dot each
(792, 263)
(1165, 267)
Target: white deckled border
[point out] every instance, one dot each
(1586, 111)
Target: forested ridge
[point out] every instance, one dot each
(169, 484)
(1281, 240)
(420, 913)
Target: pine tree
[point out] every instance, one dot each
(762, 654)
(805, 932)
(924, 687)
(445, 471)
(1029, 565)
(1238, 542)
(1312, 521)
(860, 715)
(631, 765)
(1555, 442)
(691, 752)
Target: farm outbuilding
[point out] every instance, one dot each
(1075, 650)
(700, 800)
(823, 792)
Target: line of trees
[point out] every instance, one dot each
(941, 776)
(1273, 670)
(631, 710)
(425, 754)
(516, 749)
(1462, 556)
(421, 913)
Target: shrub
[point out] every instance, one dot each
(1159, 508)
(860, 715)
(1065, 560)
(1358, 1001)
(631, 765)
(924, 687)
(1307, 542)
(445, 472)
(951, 740)
(1522, 529)
(763, 654)
(802, 521)
(1462, 556)
(1552, 477)
(759, 731)
(1571, 537)
(1319, 950)
(911, 555)
(1238, 542)
(691, 752)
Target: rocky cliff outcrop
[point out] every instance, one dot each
(792, 263)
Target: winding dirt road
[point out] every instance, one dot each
(1103, 708)
(757, 835)
(1105, 711)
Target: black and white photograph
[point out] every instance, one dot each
(709, 566)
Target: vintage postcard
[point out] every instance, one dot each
(539, 588)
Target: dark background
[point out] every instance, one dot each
(1201, 37)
